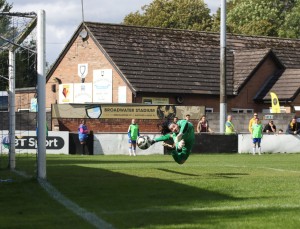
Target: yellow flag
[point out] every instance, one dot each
(275, 103)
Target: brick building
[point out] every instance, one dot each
(180, 67)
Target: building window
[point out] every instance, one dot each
(239, 110)
(3, 101)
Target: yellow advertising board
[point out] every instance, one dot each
(126, 111)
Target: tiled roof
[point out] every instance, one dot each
(287, 86)
(181, 61)
(163, 60)
(245, 63)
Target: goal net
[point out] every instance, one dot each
(18, 87)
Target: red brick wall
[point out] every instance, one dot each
(23, 100)
(108, 125)
(67, 70)
(245, 98)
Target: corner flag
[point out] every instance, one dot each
(275, 103)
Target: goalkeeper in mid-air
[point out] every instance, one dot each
(183, 135)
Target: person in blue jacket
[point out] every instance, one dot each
(83, 135)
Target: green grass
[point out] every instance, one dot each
(208, 191)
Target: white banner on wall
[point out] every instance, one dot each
(65, 93)
(83, 92)
(33, 105)
(102, 86)
(122, 94)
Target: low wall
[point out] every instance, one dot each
(215, 143)
(277, 143)
(117, 143)
(63, 142)
(76, 148)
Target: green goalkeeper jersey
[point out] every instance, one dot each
(188, 134)
(186, 130)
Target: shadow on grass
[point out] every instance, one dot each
(228, 175)
(129, 201)
(179, 173)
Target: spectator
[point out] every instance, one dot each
(270, 127)
(203, 126)
(133, 133)
(251, 122)
(229, 127)
(257, 133)
(83, 135)
(175, 120)
(293, 127)
(188, 117)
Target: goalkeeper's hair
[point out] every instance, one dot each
(164, 127)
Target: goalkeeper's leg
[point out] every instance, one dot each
(180, 156)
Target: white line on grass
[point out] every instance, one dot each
(270, 168)
(210, 209)
(88, 216)
(280, 170)
(55, 194)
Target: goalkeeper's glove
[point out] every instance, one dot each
(181, 144)
(178, 137)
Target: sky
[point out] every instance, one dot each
(64, 16)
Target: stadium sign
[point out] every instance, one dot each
(122, 111)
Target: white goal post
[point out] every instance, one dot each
(38, 21)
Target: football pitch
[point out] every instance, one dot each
(208, 191)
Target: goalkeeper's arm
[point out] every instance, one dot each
(160, 139)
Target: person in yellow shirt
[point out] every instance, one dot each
(252, 121)
(229, 127)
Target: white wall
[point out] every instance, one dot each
(114, 144)
(278, 143)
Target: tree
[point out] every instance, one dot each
(216, 20)
(4, 21)
(257, 17)
(179, 14)
(26, 75)
(4, 29)
(25, 60)
(290, 27)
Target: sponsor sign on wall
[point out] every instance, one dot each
(83, 92)
(57, 142)
(65, 93)
(102, 86)
(126, 111)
